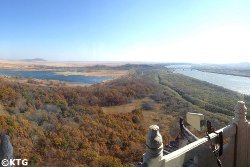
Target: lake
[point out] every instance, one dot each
(235, 83)
(51, 75)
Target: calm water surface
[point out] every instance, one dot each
(235, 83)
(50, 75)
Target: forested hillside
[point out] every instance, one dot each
(49, 125)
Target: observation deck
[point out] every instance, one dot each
(234, 153)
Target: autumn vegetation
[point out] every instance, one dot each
(66, 126)
(61, 126)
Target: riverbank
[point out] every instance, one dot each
(62, 73)
(233, 72)
(235, 83)
(41, 82)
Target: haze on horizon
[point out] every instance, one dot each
(126, 30)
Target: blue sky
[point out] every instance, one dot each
(126, 30)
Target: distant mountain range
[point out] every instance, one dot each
(32, 60)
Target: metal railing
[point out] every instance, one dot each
(236, 153)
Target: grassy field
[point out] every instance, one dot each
(183, 94)
(112, 73)
(122, 108)
(38, 65)
(168, 123)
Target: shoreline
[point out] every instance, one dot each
(42, 82)
(224, 73)
(113, 74)
(235, 89)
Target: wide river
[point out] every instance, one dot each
(50, 75)
(235, 83)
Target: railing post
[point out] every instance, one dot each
(6, 149)
(154, 144)
(241, 134)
